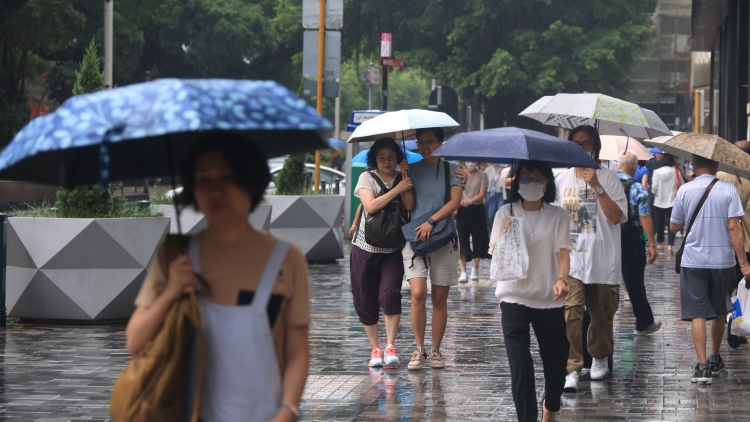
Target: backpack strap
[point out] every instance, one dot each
(447, 167)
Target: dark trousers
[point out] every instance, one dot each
(549, 328)
(633, 272)
(471, 223)
(663, 215)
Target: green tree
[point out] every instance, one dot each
(89, 79)
(292, 179)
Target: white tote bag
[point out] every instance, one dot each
(510, 259)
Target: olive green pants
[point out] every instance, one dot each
(602, 301)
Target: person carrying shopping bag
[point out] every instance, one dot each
(254, 293)
(376, 265)
(537, 299)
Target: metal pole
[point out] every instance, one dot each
(109, 12)
(369, 93)
(469, 125)
(697, 122)
(3, 263)
(337, 115)
(321, 69)
(385, 87)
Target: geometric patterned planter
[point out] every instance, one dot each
(194, 221)
(80, 269)
(313, 223)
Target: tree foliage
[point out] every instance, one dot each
(292, 179)
(89, 79)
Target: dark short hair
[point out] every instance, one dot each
(596, 140)
(248, 163)
(438, 131)
(543, 167)
(668, 160)
(372, 155)
(702, 162)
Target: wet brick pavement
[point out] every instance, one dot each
(66, 373)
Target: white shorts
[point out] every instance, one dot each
(443, 265)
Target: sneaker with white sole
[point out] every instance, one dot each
(390, 356)
(571, 383)
(376, 358)
(462, 278)
(599, 368)
(654, 327)
(474, 274)
(716, 365)
(436, 359)
(701, 375)
(418, 358)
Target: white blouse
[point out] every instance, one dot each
(550, 227)
(664, 186)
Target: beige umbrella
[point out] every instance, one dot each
(731, 159)
(660, 140)
(612, 145)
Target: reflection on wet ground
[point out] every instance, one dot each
(66, 373)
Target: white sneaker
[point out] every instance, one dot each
(376, 358)
(462, 278)
(474, 274)
(599, 368)
(571, 383)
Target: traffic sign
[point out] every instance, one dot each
(391, 62)
(310, 55)
(385, 44)
(311, 14)
(330, 89)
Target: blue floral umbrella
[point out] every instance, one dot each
(140, 130)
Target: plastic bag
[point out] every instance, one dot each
(510, 259)
(741, 311)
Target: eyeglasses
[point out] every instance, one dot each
(585, 144)
(537, 180)
(428, 142)
(383, 160)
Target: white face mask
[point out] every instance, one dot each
(531, 191)
(471, 166)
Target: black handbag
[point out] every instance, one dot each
(678, 256)
(383, 228)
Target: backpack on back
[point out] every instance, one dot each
(625, 227)
(383, 228)
(443, 232)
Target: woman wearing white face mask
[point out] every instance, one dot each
(537, 299)
(473, 239)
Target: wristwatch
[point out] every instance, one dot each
(292, 409)
(431, 221)
(598, 191)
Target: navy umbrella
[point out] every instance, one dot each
(140, 130)
(509, 145)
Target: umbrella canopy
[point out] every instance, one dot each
(510, 145)
(730, 158)
(660, 140)
(411, 157)
(335, 143)
(139, 129)
(609, 115)
(612, 145)
(401, 124)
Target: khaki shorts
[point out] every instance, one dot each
(443, 264)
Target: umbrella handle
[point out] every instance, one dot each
(170, 158)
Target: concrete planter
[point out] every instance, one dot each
(311, 222)
(194, 221)
(78, 269)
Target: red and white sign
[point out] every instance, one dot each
(385, 44)
(391, 62)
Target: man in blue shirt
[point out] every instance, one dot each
(633, 246)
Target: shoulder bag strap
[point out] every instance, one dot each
(697, 209)
(447, 167)
(679, 177)
(270, 274)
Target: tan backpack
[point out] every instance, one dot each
(153, 385)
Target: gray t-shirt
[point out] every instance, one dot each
(429, 185)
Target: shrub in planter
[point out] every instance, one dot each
(85, 201)
(292, 179)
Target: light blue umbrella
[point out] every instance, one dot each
(411, 157)
(335, 143)
(138, 130)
